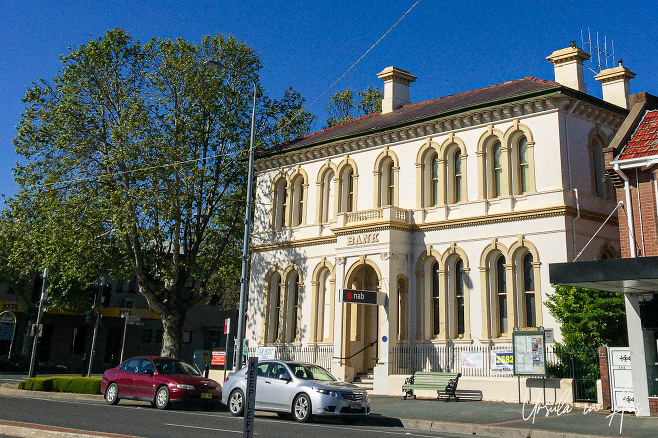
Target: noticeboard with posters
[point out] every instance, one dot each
(529, 347)
(502, 361)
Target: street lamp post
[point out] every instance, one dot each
(35, 341)
(238, 356)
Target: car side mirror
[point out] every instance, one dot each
(286, 377)
(149, 372)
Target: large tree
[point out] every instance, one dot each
(342, 106)
(134, 160)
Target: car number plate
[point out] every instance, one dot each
(206, 395)
(355, 406)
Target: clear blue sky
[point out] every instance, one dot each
(451, 46)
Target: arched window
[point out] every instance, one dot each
(458, 285)
(454, 175)
(403, 299)
(387, 183)
(294, 314)
(501, 295)
(523, 165)
(497, 169)
(598, 168)
(328, 212)
(273, 309)
(323, 319)
(297, 204)
(434, 188)
(279, 213)
(529, 291)
(436, 304)
(346, 184)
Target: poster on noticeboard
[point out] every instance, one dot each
(529, 345)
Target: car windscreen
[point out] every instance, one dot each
(311, 372)
(170, 366)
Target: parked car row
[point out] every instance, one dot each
(297, 389)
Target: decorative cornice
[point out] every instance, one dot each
(445, 124)
(562, 210)
(312, 241)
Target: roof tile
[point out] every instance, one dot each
(644, 141)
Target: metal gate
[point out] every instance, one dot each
(621, 379)
(581, 365)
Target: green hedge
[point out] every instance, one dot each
(78, 385)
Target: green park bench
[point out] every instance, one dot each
(425, 380)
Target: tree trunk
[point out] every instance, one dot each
(172, 333)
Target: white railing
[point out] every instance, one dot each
(317, 354)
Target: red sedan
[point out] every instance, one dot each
(160, 380)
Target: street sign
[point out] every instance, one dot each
(362, 297)
(227, 326)
(6, 330)
(248, 431)
(218, 358)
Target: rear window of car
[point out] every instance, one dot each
(170, 366)
(130, 366)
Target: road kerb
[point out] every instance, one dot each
(488, 431)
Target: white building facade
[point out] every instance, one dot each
(452, 207)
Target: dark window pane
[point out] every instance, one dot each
(500, 275)
(502, 314)
(528, 273)
(530, 316)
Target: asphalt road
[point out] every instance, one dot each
(139, 419)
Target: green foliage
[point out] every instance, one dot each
(342, 107)
(589, 317)
(77, 385)
(130, 169)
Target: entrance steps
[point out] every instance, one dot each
(365, 380)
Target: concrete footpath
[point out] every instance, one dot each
(476, 418)
(511, 420)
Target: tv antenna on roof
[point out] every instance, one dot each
(602, 54)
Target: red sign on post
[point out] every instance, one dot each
(218, 358)
(227, 325)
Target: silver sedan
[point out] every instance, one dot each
(299, 389)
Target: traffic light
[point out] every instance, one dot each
(92, 298)
(107, 294)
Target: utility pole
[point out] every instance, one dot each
(42, 303)
(97, 303)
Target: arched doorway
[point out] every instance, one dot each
(361, 322)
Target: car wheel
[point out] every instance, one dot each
(301, 408)
(236, 403)
(162, 398)
(112, 394)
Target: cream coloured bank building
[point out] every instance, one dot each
(452, 207)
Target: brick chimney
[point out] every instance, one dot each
(396, 88)
(615, 83)
(568, 65)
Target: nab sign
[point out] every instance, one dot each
(362, 297)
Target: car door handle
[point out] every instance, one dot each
(268, 382)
